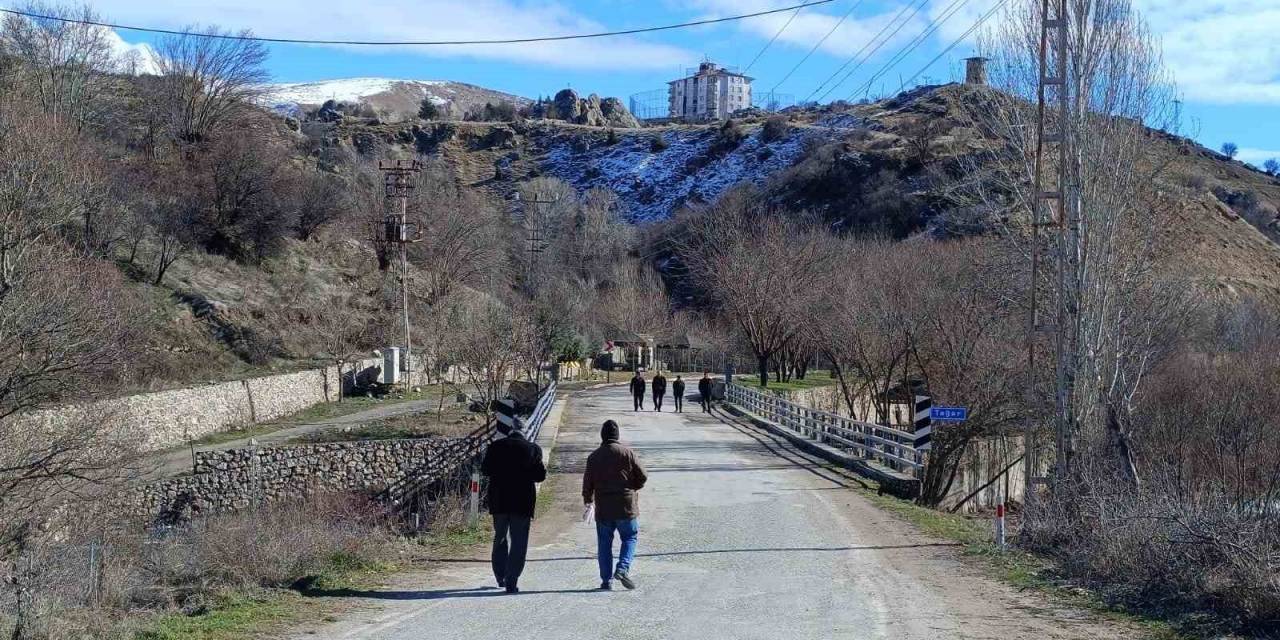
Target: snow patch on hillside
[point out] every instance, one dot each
(343, 90)
(651, 185)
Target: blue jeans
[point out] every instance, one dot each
(628, 530)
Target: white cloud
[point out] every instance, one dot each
(134, 58)
(417, 20)
(1220, 51)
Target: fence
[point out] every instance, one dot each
(870, 441)
(413, 496)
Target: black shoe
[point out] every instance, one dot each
(501, 583)
(605, 586)
(511, 588)
(621, 576)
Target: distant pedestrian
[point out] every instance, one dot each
(659, 390)
(677, 394)
(704, 390)
(611, 482)
(637, 391)
(514, 466)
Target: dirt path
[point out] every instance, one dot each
(178, 461)
(740, 537)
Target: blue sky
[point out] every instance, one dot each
(1224, 53)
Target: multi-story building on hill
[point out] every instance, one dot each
(713, 93)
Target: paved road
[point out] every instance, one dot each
(739, 538)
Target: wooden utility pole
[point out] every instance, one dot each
(396, 229)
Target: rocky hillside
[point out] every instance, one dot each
(392, 99)
(858, 165)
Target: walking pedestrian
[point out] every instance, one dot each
(704, 390)
(611, 482)
(677, 394)
(637, 391)
(659, 390)
(514, 466)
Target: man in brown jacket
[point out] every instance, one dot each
(611, 481)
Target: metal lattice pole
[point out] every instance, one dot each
(1049, 212)
(396, 229)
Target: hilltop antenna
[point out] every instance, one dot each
(1052, 190)
(396, 229)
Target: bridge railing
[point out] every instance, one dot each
(533, 426)
(887, 445)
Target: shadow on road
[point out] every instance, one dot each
(719, 551)
(437, 594)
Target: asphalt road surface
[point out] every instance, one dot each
(740, 537)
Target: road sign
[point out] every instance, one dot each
(505, 411)
(949, 414)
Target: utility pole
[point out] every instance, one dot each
(396, 229)
(535, 235)
(1052, 189)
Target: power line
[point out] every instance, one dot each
(873, 51)
(774, 38)
(953, 45)
(951, 10)
(819, 44)
(388, 43)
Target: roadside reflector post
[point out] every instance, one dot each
(474, 512)
(1000, 526)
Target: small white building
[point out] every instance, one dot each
(712, 93)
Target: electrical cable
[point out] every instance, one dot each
(873, 40)
(947, 13)
(953, 45)
(396, 43)
(772, 40)
(819, 44)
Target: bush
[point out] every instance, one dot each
(502, 112)
(775, 128)
(1229, 149)
(428, 109)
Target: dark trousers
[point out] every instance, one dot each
(657, 401)
(679, 402)
(706, 404)
(510, 544)
(638, 398)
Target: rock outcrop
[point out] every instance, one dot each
(592, 110)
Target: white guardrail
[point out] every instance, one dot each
(867, 440)
(534, 425)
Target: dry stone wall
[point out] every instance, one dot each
(237, 478)
(170, 418)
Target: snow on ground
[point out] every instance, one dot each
(652, 184)
(342, 90)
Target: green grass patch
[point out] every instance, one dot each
(315, 413)
(242, 616)
(1013, 566)
(233, 616)
(812, 380)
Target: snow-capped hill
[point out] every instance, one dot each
(394, 98)
(342, 90)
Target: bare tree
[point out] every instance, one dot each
(758, 268)
(205, 81)
(1117, 87)
(65, 62)
(493, 345)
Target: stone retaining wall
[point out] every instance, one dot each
(166, 419)
(237, 478)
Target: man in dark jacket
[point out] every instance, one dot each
(612, 478)
(677, 394)
(514, 466)
(659, 390)
(637, 391)
(704, 390)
